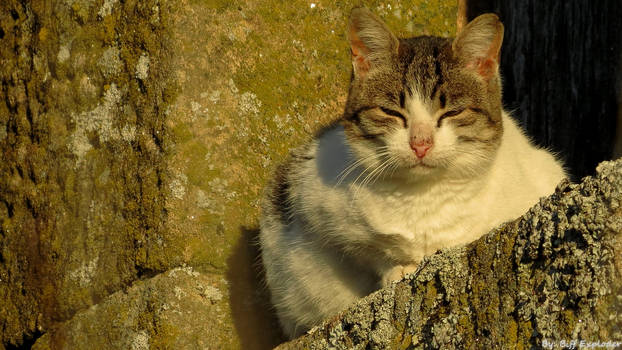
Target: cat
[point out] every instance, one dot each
(424, 157)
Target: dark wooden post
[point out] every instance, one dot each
(561, 68)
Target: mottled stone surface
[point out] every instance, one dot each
(178, 309)
(136, 136)
(82, 145)
(256, 78)
(552, 276)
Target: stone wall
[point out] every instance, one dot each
(136, 137)
(82, 138)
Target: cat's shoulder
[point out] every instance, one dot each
(519, 150)
(322, 155)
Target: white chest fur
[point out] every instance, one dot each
(434, 213)
(429, 216)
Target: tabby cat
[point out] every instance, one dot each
(423, 158)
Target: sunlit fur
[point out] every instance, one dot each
(356, 204)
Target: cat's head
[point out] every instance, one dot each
(424, 105)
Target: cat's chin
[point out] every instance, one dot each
(421, 165)
(423, 169)
(418, 170)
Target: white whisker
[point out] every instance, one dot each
(344, 173)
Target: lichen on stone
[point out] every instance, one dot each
(110, 62)
(142, 67)
(98, 121)
(85, 273)
(106, 8)
(178, 186)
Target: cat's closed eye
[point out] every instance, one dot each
(394, 113)
(448, 114)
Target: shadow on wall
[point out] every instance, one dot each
(253, 316)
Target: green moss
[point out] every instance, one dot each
(98, 205)
(219, 5)
(525, 331)
(568, 322)
(182, 133)
(465, 325)
(301, 78)
(199, 174)
(80, 12)
(511, 334)
(165, 336)
(208, 255)
(429, 299)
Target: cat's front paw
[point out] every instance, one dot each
(397, 272)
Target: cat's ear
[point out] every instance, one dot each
(371, 41)
(478, 45)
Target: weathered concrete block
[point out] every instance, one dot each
(178, 309)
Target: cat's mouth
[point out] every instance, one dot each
(421, 164)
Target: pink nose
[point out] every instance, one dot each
(420, 151)
(421, 147)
